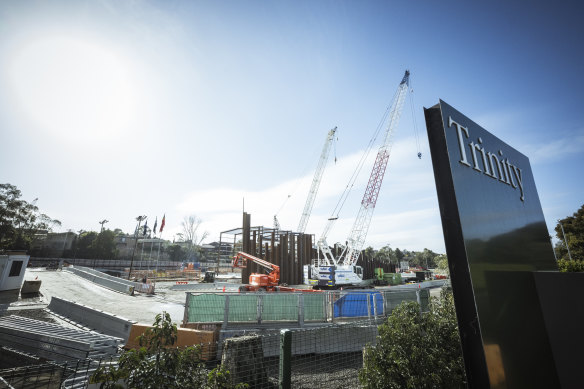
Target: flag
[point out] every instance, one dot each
(145, 228)
(155, 224)
(163, 222)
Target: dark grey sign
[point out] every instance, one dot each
(496, 237)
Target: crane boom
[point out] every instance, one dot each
(360, 228)
(316, 181)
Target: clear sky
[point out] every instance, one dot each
(114, 109)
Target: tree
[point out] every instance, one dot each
(416, 350)
(574, 236)
(190, 233)
(442, 263)
(176, 253)
(158, 364)
(104, 246)
(20, 221)
(83, 245)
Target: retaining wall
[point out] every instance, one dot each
(105, 282)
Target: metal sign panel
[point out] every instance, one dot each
(496, 237)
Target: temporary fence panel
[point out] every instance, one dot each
(361, 304)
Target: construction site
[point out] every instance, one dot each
(279, 308)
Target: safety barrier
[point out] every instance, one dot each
(111, 284)
(261, 308)
(138, 286)
(92, 318)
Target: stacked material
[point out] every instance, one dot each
(94, 319)
(55, 342)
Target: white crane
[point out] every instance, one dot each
(328, 271)
(316, 180)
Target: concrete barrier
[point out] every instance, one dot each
(138, 286)
(111, 284)
(95, 319)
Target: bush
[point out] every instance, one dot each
(416, 350)
(568, 266)
(157, 364)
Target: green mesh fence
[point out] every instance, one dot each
(280, 307)
(210, 307)
(243, 307)
(314, 307)
(205, 308)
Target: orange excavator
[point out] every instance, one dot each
(257, 281)
(263, 282)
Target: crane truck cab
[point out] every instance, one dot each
(333, 277)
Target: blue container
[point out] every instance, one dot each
(355, 304)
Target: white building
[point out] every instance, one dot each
(12, 268)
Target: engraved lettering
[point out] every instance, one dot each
(519, 180)
(493, 164)
(459, 130)
(493, 157)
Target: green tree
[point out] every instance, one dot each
(176, 253)
(425, 259)
(416, 350)
(83, 245)
(387, 254)
(20, 221)
(442, 263)
(399, 254)
(104, 246)
(158, 364)
(574, 236)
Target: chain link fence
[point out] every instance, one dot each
(296, 340)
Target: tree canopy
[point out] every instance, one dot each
(20, 221)
(574, 236)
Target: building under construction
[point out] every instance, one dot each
(287, 249)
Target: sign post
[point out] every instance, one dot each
(496, 238)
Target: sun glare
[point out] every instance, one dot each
(77, 90)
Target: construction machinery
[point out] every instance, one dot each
(330, 271)
(262, 282)
(330, 136)
(316, 181)
(257, 281)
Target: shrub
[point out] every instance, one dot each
(416, 350)
(157, 364)
(568, 266)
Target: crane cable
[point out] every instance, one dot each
(414, 121)
(364, 156)
(295, 185)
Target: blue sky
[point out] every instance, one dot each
(114, 109)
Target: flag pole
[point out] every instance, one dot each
(157, 257)
(162, 224)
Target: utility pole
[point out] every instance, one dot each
(139, 219)
(102, 223)
(565, 241)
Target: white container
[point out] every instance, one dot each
(12, 269)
